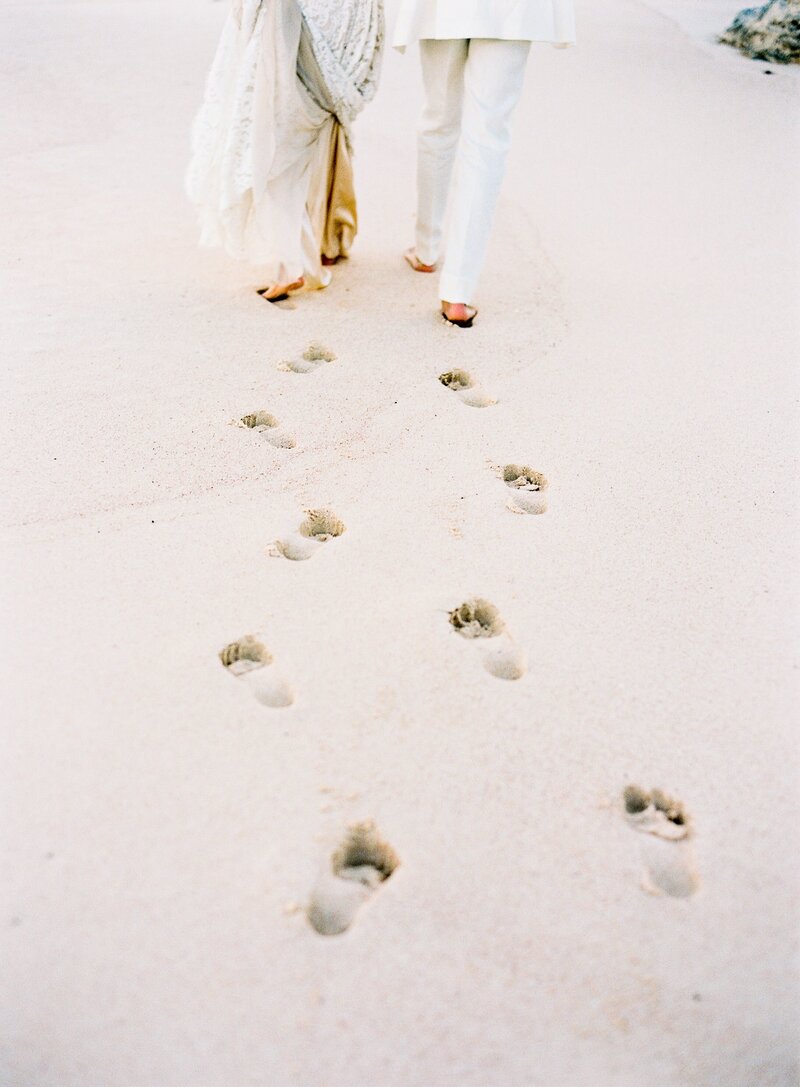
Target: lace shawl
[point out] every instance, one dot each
(347, 38)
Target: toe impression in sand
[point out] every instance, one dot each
(479, 619)
(267, 426)
(319, 527)
(358, 867)
(314, 356)
(250, 660)
(665, 844)
(528, 489)
(462, 384)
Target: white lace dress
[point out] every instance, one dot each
(260, 136)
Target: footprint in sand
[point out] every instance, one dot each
(268, 427)
(360, 865)
(665, 846)
(462, 384)
(312, 358)
(528, 489)
(478, 619)
(319, 527)
(250, 660)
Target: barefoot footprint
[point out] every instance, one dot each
(319, 527)
(312, 358)
(666, 849)
(478, 618)
(249, 659)
(268, 427)
(362, 863)
(528, 489)
(462, 384)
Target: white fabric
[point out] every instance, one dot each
(510, 20)
(347, 38)
(259, 134)
(471, 89)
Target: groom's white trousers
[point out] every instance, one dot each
(471, 89)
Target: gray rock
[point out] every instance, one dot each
(770, 32)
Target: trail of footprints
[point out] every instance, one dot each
(264, 423)
(364, 861)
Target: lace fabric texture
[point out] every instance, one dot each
(259, 135)
(347, 38)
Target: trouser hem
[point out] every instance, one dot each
(453, 289)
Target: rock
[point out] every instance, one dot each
(770, 32)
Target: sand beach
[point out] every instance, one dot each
(170, 817)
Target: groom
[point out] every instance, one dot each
(473, 54)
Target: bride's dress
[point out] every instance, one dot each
(265, 143)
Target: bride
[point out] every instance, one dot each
(270, 173)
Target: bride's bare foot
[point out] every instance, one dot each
(277, 292)
(414, 262)
(459, 313)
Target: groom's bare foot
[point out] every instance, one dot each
(414, 262)
(459, 313)
(277, 292)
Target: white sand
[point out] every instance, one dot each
(637, 329)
